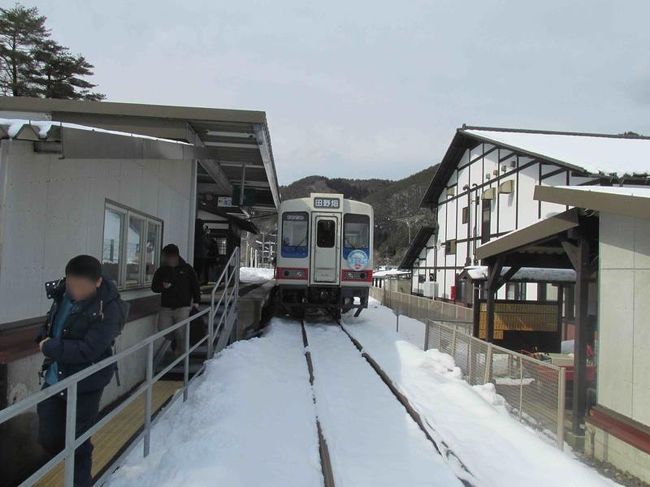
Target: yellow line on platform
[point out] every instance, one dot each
(110, 439)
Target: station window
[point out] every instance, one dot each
(356, 233)
(465, 215)
(326, 233)
(295, 234)
(450, 247)
(131, 246)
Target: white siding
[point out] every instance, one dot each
(53, 209)
(624, 316)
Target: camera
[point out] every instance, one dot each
(51, 287)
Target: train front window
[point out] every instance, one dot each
(326, 233)
(356, 232)
(295, 234)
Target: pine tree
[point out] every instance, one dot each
(33, 64)
(21, 31)
(60, 73)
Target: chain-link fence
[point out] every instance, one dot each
(534, 390)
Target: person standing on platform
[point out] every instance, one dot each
(179, 290)
(81, 326)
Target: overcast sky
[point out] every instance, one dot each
(372, 88)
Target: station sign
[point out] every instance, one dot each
(333, 203)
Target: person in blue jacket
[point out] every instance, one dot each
(81, 326)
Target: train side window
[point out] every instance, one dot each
(295, 234)
(326, 233)
(356, 232)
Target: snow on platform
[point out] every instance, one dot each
(371, 439)
(255, 274)
(497, 449)
(250, 421)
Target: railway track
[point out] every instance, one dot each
(455, 464)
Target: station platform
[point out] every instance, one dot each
(116, 435)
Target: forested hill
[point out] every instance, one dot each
(396, 203)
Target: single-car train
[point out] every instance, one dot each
(324, 255)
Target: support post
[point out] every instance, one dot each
(488, 365)
(581, 336)
(70, 433)
(147, 401)
(186, 361)
(476, 310)
(561, 398)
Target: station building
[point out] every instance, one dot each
(117, 181)
(483, 189)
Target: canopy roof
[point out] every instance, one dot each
(234, 145)
(524, 274)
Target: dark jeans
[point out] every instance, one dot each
(51, 430)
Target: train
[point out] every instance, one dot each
(324, 255)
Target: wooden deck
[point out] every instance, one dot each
(115, 435)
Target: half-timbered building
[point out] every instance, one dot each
(483, 189)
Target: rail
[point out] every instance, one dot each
(533, 389)
(222, 315)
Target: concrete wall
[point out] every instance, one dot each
(53, 209)
(624, 311)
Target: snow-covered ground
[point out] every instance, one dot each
(371, 439)
(497, 449)
(249, 422)
(255, 274)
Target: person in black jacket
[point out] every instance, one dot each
(179, 291)
(81, 326)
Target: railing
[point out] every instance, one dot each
(222, 316)
(421, 308)
(534, 390)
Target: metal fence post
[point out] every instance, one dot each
(426, 335)
(561, 397)
(186, 361)
(453, 344)
(211, 314)
(488, 364)
(397, 323)
(70, 433)
(439, 337)
(147, 402)
(521, 386)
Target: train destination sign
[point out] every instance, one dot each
(334, 203)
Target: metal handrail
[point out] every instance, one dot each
(69, 384)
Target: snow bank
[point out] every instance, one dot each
(371, 439)
(255, 274)
(249, 422)
(497, 449)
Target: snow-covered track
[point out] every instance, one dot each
(461, 471)
(372, 440)
(326, 465)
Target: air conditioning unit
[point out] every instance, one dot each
(430, 289)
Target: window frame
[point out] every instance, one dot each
(450, 247)
(304, 249)
(365, 221)
(127, 213)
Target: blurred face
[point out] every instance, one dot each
(170, 260)
(81, 288)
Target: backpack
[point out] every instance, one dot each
(125, 308)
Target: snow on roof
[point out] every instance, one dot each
(390, 272)
(15, 128)
(532, 274)
(596, 154)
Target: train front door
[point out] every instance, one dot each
(325, 254)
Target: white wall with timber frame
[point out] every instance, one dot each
(482, 168)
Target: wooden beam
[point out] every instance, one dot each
(572, 253)
(581, 335)
(494, 271)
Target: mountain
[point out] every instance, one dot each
(396, 205)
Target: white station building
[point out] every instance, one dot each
(483, 189)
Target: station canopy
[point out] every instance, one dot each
(233, 147)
